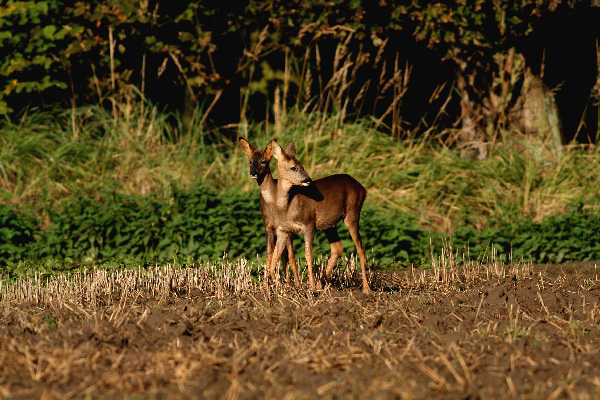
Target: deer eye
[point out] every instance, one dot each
(263, 162)
(294, 169)
(250, 162)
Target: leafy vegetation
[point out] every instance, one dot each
(18, 233)
(195, 224)
(143, 163)
(199, 224)
(568, 236)
(120, 187)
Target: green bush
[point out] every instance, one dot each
(199, 223)
(387, 237)
(396, 237)
(570, 236)
(195, 222)
(574, 236)
(18, 232)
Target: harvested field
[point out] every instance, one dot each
(458, 330)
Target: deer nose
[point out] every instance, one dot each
(253, 174)
(306, 182)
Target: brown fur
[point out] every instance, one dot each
(260, 170)
(304, 206)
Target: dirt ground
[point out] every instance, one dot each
(532, 334)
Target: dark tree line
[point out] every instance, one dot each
(470, 68)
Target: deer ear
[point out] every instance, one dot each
(276, 150)
(269, 150)
(290, 149)
(246, 146)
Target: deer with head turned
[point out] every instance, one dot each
(260, 170)
(304, 206)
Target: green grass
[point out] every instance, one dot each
(46, 158)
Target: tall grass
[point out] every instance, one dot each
(138, 149)
(431, 180)
(135, 149)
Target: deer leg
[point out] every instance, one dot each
(285, 262)
(336, 251)
(279, 246)
(352, 223)
(270, 236)
(309, 236)
(292, 261)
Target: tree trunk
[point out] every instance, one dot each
(536, 114)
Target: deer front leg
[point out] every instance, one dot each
(270, 237)
(292, 261)
(273, 273)
(309, 236)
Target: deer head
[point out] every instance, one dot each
(290, 169)
(258, 160)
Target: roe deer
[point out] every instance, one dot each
(304, 206)
(261, 171)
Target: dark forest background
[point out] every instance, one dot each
(398, 62)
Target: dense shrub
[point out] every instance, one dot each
(574, 236)
(570, 236)
(201, 224)
(195, 222)
(18, 232)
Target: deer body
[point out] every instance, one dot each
(261, 171)
(323, 204)
(304, 206)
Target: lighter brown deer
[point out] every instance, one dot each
(260, 170)
(304, 206)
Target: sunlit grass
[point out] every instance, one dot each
(139, 150)
(106, 285)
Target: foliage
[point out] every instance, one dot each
(18, 232)
(198, 223)
(195, 222)
(394, 237)
(75, 52)
(574, 236)
(30, 35)
(571, 236)
(105, 191)
(95, 182)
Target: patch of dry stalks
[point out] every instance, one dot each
(460, 329)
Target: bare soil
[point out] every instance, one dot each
(531, 335)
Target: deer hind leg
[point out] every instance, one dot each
(352, 223)
(336, 250)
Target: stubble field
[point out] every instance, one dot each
(457, 330)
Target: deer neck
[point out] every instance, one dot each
(283, 194)
(268, 186)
